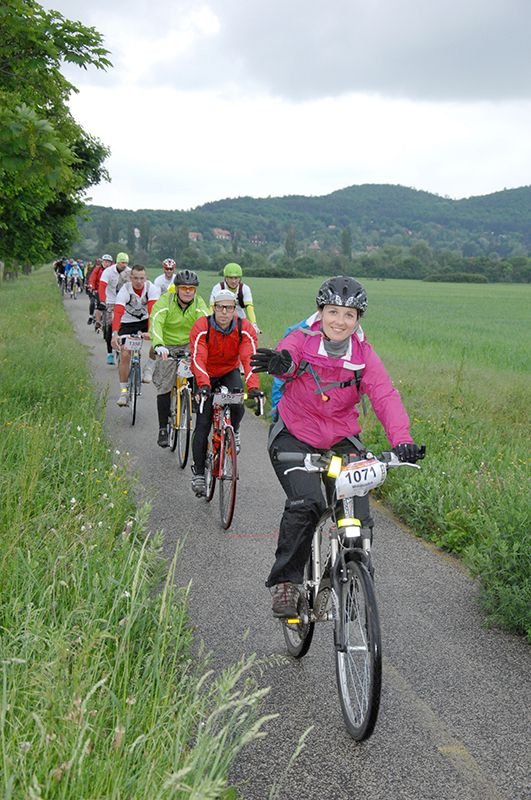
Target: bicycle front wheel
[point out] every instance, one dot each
(358, 652)
(228, 479)
(134, 390)
(184, 426)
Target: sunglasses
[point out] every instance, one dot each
(220, 307)
(168, 269)
(186, 288)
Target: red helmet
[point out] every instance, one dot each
(169, 263)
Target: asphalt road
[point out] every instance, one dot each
(454, 717)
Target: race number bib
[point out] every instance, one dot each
(359, 478)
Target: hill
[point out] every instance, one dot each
(370, 216)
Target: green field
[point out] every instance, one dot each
(459, 355)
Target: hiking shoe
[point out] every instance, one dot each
(123, 399)
(163, 441)
(237, 440)
(285, 599)
(147, 376)
(199, 485)
(90, 321)
(110, 358)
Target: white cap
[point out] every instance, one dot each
(224, 294)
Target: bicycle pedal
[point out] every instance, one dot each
(293, 621)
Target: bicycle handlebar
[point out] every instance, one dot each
(320, 462)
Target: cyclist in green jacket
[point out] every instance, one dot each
(171, 319)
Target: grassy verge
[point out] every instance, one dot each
(100, 696)
(459, 355)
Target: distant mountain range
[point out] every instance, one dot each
(377, 214)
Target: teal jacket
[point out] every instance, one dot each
(170, 324)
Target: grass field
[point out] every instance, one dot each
(459, 355)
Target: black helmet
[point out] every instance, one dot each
(186, 278)
(342, 291)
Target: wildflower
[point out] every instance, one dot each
(111, 505)
(126, 594)
(73, 501)
(79, 427)
(131, 701)
(117, 452)
(24, 747)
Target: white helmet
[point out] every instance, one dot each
(106, 257)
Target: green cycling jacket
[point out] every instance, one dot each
(170, 324)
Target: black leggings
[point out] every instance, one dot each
(304, 505)
(233, 381)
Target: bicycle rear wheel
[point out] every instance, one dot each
(358, 652)
(298, 635)
(210, 471)
(228, 479)
(172, 419)
(184, 426)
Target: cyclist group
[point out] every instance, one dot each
(325, 364)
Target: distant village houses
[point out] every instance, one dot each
(221, 233)
(195, 236)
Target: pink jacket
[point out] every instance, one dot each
(323, 423)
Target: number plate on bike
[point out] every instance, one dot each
(133, 344)
(183, 370)
(359, 478)
(224, 398)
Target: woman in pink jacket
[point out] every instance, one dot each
(326, 369)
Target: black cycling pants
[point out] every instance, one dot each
(233, 381)
(304, 505)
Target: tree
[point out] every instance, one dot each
(47, 160)
(346, 242)
(290, 244)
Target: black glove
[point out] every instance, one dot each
(204, 392)
(266, 360)
(254, 394)
(409, 452)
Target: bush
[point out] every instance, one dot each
(457, 277)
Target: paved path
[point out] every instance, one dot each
(454, 718)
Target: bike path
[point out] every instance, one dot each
(454, 717)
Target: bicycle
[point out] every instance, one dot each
(222, 459)
(338, 584)
(180, 420)
(134, 345)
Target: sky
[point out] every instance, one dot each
(231, 98)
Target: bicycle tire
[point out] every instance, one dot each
(298, 636)
(172, 419)
(184, 426)
(228, 478)
(133, 391)
(210, 472)
(358, 652)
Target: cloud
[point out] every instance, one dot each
(306, 49)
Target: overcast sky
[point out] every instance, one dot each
(226, 98)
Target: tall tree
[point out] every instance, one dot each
(346, 242)
(290, 244)
(47, 160)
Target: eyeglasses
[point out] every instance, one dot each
(220, 307)
(186, 288)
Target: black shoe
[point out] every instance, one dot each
(163, 441)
